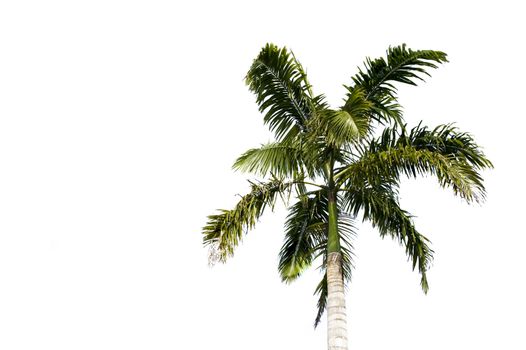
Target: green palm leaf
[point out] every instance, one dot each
(361, 109)
(444, 139)
(321, 291)
(283, 160)
(401, 65)
(224, 231)
(380, 206)
(306, 239)
(341, 129)
(305, 233)
(380, 166)
(282, 91)
(451, 156)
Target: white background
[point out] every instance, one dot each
(119, 121)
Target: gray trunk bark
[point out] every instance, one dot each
(336, 314)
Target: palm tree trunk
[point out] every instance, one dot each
(336, 314)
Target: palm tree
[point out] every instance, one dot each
(338, 166)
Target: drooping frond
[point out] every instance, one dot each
(401, 65)
(380, 166)
(306, 239)
(451, 156)
(347, 232)
(282, 91)
(321, 291)
(380, 206)
(305, 234)
(224, 231)
(283, 160)
(444, 139)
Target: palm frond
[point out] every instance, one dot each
(380, 166)
(333, 132)
(347, 231)
(401, 65)
(361, 109)
(444, 139)
(342, 129)
(282, 91)
(306, 239)
(282, 160)
(305, 232)
(451, 156)
(321, 291)
(224, 231)
(380, 206)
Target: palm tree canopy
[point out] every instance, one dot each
(319, 151)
